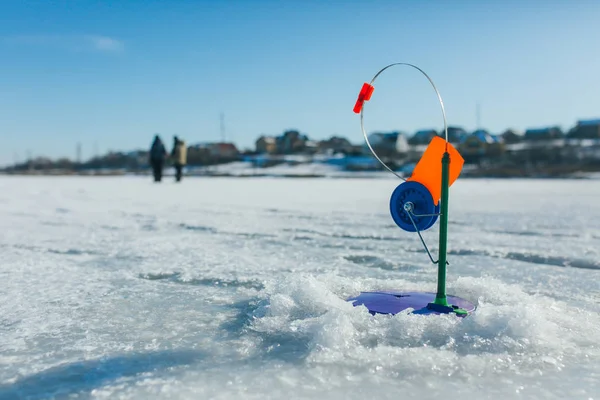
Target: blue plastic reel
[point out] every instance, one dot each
(422, 201)
(434, 219)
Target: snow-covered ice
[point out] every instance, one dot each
(227, 288)
(306, 169)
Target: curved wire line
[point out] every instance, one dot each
(362, 125)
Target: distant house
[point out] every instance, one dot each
(209, 153)
(291, 142)
(311, 147)
(223, 150)
(335, 145)
(585, 129)
(266, 145)
(511, 137)
(480, 144)
(402, 146)
(455, 134)
(548, 133)
(422, 137)
(384, 144)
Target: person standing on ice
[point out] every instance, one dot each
(157, 156)
(179, 154)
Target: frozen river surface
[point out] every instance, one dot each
(233, 288)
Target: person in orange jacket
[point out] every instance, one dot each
(179, 155)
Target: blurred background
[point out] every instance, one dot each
(249, 86)
(231, 288)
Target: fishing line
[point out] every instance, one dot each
(362, 111)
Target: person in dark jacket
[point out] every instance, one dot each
(157, 156)
(179, 155)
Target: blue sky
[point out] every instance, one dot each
(111, 74)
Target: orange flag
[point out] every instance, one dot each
(428, 170)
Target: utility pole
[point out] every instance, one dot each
(478, 115)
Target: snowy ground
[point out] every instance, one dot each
(247, 169)
(235, 289)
